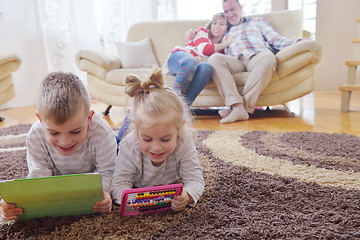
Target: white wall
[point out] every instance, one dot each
(336, 26)
(20, 34)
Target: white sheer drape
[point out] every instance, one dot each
(119, 15)
(67, 27)
(71, 25)
(114, 24)
(58, 30)
(167, 10)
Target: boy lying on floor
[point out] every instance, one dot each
(68, 138)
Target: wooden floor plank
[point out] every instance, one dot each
(315, 112)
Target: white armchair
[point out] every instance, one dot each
(9, 63)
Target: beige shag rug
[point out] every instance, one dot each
(259, 185)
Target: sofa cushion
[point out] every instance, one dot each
(117, 76)
(137, 54)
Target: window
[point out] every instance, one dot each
(309, 12)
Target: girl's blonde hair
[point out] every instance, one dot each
(61, 96)
(154, 103)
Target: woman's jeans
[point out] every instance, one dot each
(191, 76)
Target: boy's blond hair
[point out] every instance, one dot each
(154, 103)
(61, 96)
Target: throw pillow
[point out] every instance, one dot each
(137, 54)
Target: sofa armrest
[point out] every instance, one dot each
(296, 56)
(8, 63)
(306, 34)
(96, 63)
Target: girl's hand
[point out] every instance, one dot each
(190, 34)
(9, 211)
(199, 59)
(229, 39)
(103, 206)
(179, 202)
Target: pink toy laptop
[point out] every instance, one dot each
(148, 199)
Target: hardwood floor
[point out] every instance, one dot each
(315, 112)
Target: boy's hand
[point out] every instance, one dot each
(103, 206)
(179, 202)
(9, 211)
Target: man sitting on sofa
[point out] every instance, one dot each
(252, 49)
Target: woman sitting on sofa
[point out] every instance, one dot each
(188, 62)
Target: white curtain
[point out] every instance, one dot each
(57, 23)
(71, 25)
(119, 15)
(114, 24)
(67, 27)
(167, 10)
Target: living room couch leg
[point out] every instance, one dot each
(107, 111)
(288, 110)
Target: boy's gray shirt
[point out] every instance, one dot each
(96, 154)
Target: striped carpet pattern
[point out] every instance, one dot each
(259, 185)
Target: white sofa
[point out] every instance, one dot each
(294, 77)
(9, 63)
